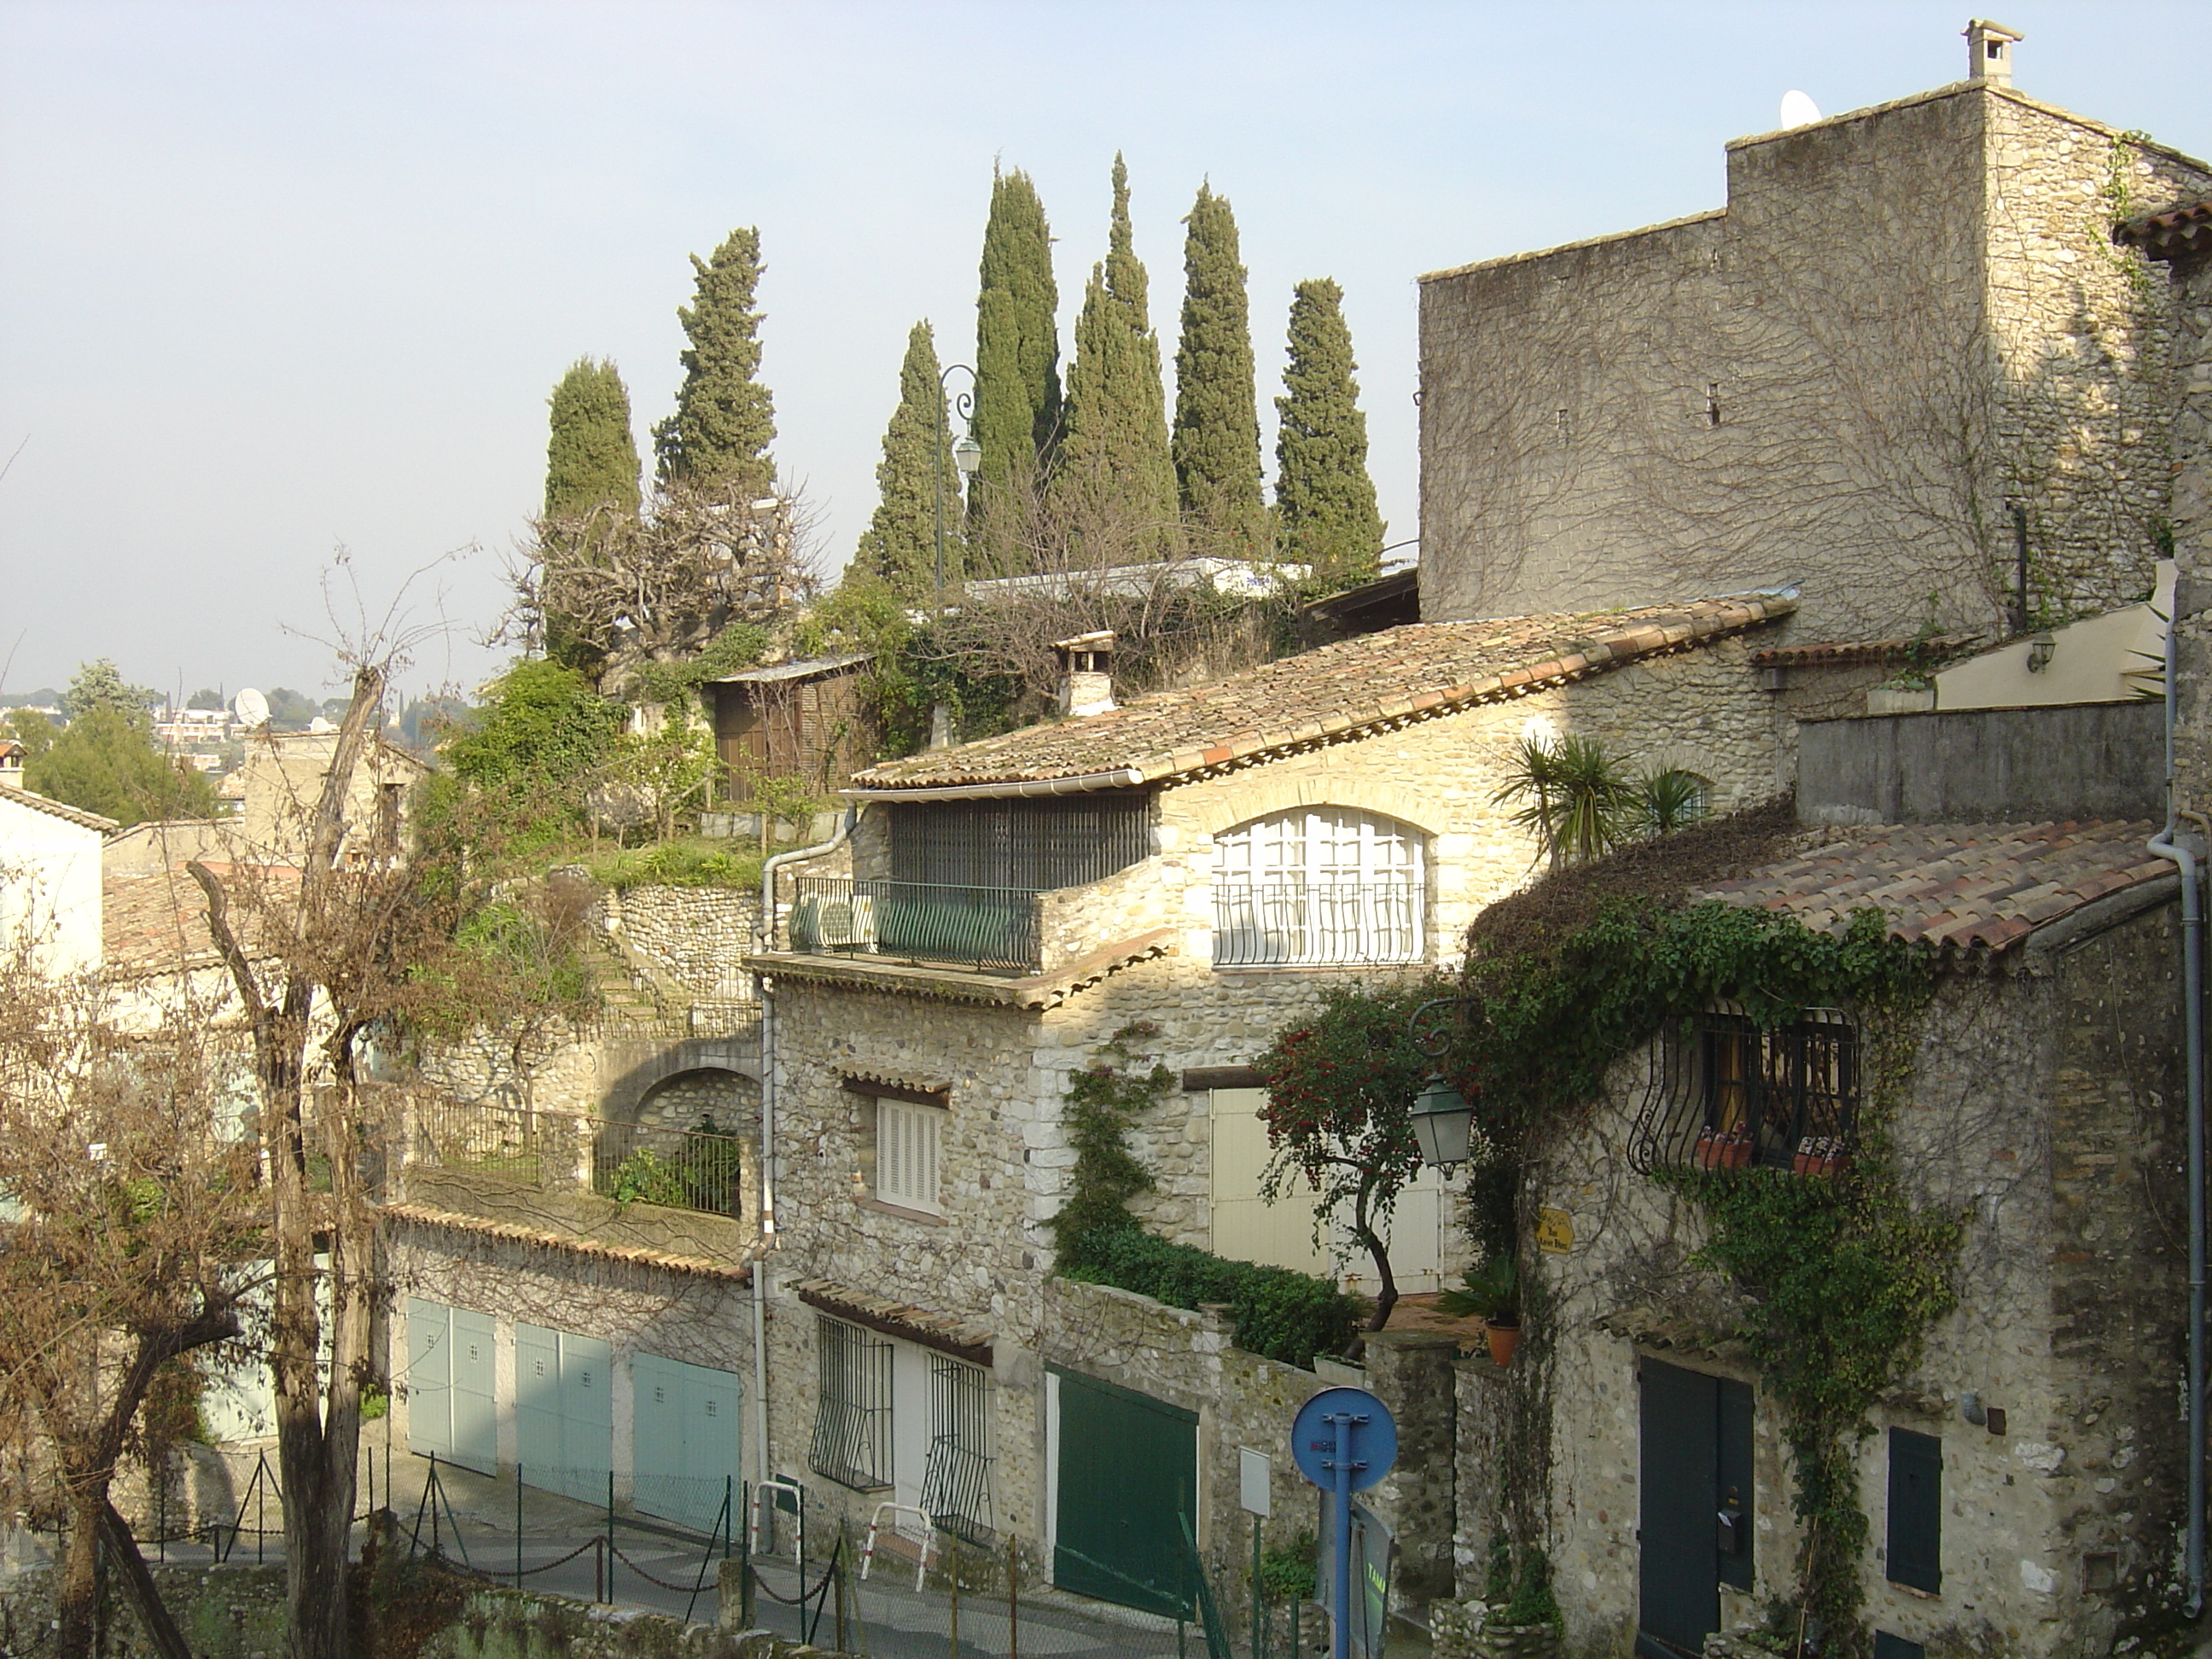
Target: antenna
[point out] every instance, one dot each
(251, 707)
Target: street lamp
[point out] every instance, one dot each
(1444, 1121)
(967, 455)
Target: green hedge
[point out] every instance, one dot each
(1281, 1315)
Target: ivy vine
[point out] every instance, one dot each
(1841, 1276)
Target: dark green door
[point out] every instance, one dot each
(1695, 1531)
(1127, 1468)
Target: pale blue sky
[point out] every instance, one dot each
(276, 277)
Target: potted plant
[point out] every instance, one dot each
(1818, 1155)
(1491, 1293)
(1723, 1149)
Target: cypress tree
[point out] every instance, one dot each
(590, 459)
(900, 544)
(1016, 343)
(725, 420)
(1217, 420)
(1114, 468)
(1324, 499)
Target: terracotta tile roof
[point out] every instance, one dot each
(963, 1338)
(1841, 651)
(156, 922)
(538, 1237)
(2178, 233)
(58, 810)
(1957, 886)
(1375, 681)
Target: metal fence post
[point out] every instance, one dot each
(610, 1535)
(954, 1553)
(745, 1564)
(517, 1526)
(1013, 1600)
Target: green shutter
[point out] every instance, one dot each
(1916, 1511)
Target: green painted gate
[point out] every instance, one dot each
(686, 1424)
(1127, 1476)
(450, 1408)
(564, 1411)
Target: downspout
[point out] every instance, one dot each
(2165, 846)
(761, 991)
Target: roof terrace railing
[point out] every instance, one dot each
(994, 930)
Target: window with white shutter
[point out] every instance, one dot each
(908, 1142)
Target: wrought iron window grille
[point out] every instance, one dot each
(852, 1405)
(956, 1484)
(1029, 845)
(1726, 1094)
(1293, 923)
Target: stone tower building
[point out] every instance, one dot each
(1903, 363)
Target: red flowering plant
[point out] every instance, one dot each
(1340, 1090)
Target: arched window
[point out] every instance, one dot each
(1318, 884)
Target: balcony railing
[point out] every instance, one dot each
(993, 929)
(686, 1168)
(1291, 923)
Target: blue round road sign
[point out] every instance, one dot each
(1370, 1439)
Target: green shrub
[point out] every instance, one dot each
(1280, 1315)
(677, 864)
(1287, 1570)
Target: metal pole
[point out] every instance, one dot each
(955, 1537)
(936, 474)
(430, 1495)
(745, 1564)
(1255, 1587)
(1340, 1592)
(610, 1535)
(517, 1526)
(1013, 1600)
(729, 1511)
(260, 1512)
(838, 1567)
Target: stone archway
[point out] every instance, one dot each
(708, 1063)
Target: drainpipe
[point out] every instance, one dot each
(768, 1173)
(2193, 958)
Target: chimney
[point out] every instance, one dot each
(1989, 51)
(1086, 673)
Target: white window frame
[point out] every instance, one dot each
(1316, 886)
(909, 1154)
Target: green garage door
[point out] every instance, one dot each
(449, 1385)
(564, 1411)
(1127, 1469)
(686, 1428)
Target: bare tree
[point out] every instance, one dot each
(135, 1240)
(658, 585)
(362, 936)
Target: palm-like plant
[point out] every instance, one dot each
(1670, 800)
(1575, 802)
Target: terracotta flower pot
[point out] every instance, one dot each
(1503, 1339)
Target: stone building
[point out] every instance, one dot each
(1905, 360)
(2024, 1481)
(1203, 862)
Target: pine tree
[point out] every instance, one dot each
(900, 544)
(1217, 420)
(1324, 499)
(725, 420)
(590, 459)
(1017, 409)
(1114, 472)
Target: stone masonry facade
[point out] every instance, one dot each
(1907, 321)
(2043, 1107)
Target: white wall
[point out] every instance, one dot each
(50, 885)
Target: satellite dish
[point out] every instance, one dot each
(251, 707)
(1798, 109)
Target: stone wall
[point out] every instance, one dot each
(1906, 319)
(238, 1613)
(2043, 1108)
(2191, 288)
(698, 936)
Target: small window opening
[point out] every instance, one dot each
(1712, 403)
(1561, 418)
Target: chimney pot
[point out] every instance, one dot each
(1989, 51)
(1086, 673)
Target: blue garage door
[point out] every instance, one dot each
(449, 1385)
(564, 1413)
(686, 1439)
